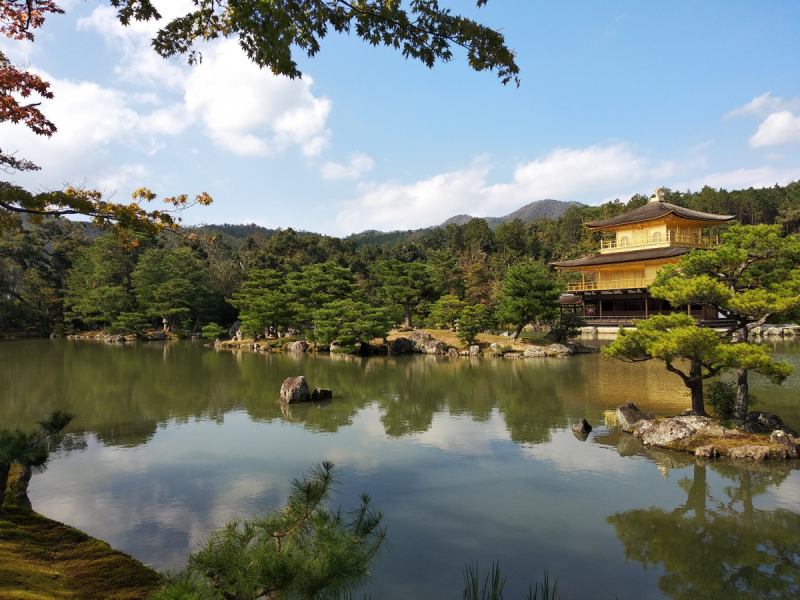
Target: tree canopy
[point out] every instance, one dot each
(675, 337)
(269, 31)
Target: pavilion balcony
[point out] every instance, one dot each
(672, 238)
(612, 284)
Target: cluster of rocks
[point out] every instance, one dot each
(420, 342)
(295, 390)
(155, 336)
(690, 432)
(775, 331)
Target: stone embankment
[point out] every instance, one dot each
(760, 436)
(155, 336)
(770, 331)
(418, 342)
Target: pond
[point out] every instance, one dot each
(469, 459)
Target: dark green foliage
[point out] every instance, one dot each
(30, 450)
(212, 331)
(262, 303)
(529, 292)
(446, 311)
(720, 396)
(129, 322)
(406, 284)
(304, 550)
(474, 319)
(566, 326)
(349, 322)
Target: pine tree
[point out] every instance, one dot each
(304, 550)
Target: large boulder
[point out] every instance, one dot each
(419, 338)
(157, 336)
(558, 350)
(535, 351)
(298, 346)
(581, 426)
(294, 390)
(628, 415)
(474, 350)
(434, 347)
(452, 353)
(768, 422)
(401, 345)
(750, 452)
(234, 329)
(321, 394)
(668, 431)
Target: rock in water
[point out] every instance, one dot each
(234, 329)
(321, 394)
(474, 350)
(452, 353)
(581, 427)
(294, 390)
(558, 350)
(706, 452)
(298, 346)
(401, 345)
(628, 415)
(535, 351)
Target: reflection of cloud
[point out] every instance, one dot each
(787, 493)
(462, 435)
(570, 454)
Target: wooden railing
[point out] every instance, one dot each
(659, 240)
(616, 284)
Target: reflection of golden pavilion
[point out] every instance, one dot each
(613, 286)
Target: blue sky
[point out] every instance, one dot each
(617, 98)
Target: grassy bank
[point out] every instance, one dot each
(43, 559)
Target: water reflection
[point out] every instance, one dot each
(718, 545)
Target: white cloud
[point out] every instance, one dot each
(393, 205)
(244, 109)
(778, 128)
(359, 164)
(742, 179)
(565, 173)
(763, 105)
(562, 174)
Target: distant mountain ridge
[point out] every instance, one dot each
(236, 233)
(552, 209)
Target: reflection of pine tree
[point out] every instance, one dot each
(712, 548)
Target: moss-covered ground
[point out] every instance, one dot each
(43, 559)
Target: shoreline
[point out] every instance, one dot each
(43, 558)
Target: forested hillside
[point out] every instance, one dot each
(54, 277)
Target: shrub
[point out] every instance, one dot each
(721, 397)
(212, 331)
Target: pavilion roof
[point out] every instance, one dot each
(623, 257)
(658, 210)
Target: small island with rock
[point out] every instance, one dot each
(760, 436)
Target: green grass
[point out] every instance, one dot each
(43, 559)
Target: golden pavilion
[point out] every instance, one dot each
(613, 287)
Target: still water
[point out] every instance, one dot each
(470, 460)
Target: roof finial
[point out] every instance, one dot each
(658, 196)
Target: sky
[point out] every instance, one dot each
(616, 98)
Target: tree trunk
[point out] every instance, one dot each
(742, 387)
(695, 385)
(4, 469)
(17, 493)
(517, 331)
(407, 312)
